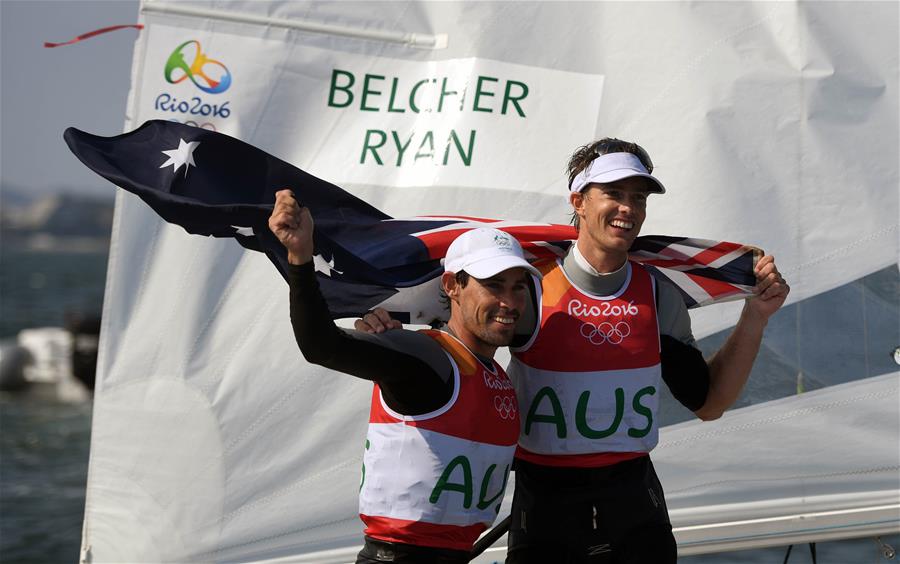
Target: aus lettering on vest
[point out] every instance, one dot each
(457, 478)
(362, 482)
(547, 409)
(605, 309)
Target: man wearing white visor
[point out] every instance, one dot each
(444, 421)
(587, 376)
(587, 367)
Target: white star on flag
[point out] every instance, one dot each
(247, 231)
(183, 155)
(325, 268)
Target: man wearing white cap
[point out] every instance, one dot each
(444, 420)
(587, 377)
(587, 370)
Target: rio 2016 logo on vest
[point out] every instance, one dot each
(612, 332)
(495, 382)
(505, 405)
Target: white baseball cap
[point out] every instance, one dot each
(485, 252)
(612, 167)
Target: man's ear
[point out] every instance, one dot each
(450, 285)
(577, 201)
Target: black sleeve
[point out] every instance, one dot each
(685, 372)
(409, 384)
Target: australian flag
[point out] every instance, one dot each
(215, 185)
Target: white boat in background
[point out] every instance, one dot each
(771, 123)
(51, 363)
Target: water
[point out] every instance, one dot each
(43, 471)
(44, 445)
(39, 289)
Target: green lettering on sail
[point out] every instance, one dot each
(480, 91)
(426, 147)
(465, 156)
(369, 91)
(369, 145)
(401, 147)
(581, 416)
(508, 96)
(483, 503)
(557, 418)
(643, 410)
(345, 88)
(444, 483)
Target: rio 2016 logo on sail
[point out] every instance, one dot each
(209, 75)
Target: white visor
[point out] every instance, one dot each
(612, 167)
(486, 252)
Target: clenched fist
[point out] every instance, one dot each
(293, 225)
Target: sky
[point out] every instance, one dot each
(43, 91)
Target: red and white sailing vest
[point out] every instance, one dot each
(438, 479)
(588, 381)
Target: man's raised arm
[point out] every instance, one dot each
(411, 369)
(730, 367)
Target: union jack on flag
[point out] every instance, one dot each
(214, 185)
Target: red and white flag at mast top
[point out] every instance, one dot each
(94, 33)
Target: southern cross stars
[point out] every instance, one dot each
(183, 155)
(324, 267)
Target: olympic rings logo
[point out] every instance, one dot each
(505, 406)
(199, 70)
(192, 123)
(605, 332)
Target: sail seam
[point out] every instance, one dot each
(876, 470)
(889, 393)
(279, 493)
(842, 250)
(420, 40)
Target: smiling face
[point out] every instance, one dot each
(610, 218)
(483, 313)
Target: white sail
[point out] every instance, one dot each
(808, 468)
(774, 124)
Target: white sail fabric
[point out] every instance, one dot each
(815, 467)
(773, 124)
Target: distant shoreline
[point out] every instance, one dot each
(47, 243)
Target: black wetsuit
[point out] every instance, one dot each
(412, 370)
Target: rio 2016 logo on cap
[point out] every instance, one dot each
(207, 74)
